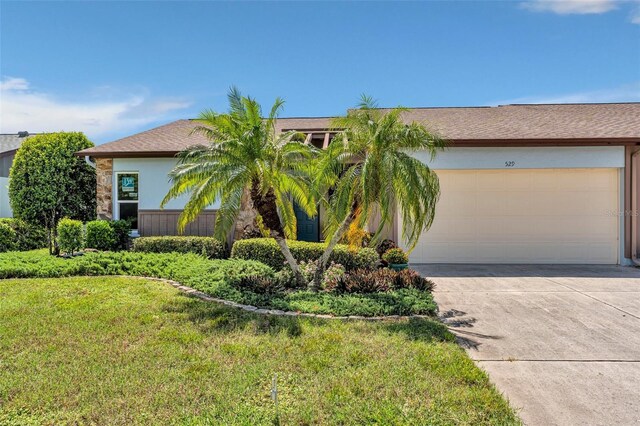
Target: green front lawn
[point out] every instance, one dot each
(107, 350)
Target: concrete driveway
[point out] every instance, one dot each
(561, 342)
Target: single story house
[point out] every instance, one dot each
(551, 183)
(9, 144)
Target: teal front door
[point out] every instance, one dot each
(308, 227)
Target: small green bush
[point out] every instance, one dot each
(100, 235)
(206, 246)
(70, 235)
(121, 230)
(366, 258)
(266, 250)
(7, 238)
(28, 236)
(395, 256)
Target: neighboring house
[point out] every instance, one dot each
(519, 183)
(9, 144)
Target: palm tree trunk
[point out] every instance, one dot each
(324, 259)
(284, 248)
(266, 207)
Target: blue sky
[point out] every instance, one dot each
(114, 68)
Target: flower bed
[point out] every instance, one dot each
(234, 280)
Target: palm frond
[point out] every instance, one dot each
(377, 144)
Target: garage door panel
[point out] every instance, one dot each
(460, 201)
(497, 229)
(444, 252)
(517, 203)
(487, 204)
(455, 229)
(524, 216)
(491, 180)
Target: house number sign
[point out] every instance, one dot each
(509, 163)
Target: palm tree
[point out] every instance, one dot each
(246, 155)
(368, 167)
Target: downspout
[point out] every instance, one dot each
(634, 209)
(87, 160)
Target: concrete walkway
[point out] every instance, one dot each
(561, 342)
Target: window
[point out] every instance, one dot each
(127, 197)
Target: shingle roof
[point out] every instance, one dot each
(571, 122)
(11, 142)
(559, 121)
(169, 138)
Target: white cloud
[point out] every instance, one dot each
(635, 15)
(583, 7)
(566, 7)
(12, 83)
(626, 93)
(22, 108)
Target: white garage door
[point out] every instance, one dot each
(524, 216)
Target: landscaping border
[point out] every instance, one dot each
(276, 312)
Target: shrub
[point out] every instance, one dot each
(364, 281)
(333, 276)
(385, 245)
(69, 235)
(48, 181)
(206, 246)
(7, 238)
(260, 285)
(266, 250)
(365, 241)
(395, 256)
(121, 230)
(380, 280)
(189, 269)
(366, 258)
(28, 236)
(408, 278)
(286, 279)
(100, 235)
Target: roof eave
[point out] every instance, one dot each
(545, 142)
(127, 154)
(452, 142)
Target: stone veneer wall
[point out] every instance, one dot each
(104, 190)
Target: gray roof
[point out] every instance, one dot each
(507, 124)
(11, 142)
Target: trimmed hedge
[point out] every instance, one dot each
(70, 235)
(110, 235)
(121, 230)
(267, 251)
(206, 246)
(100, 235)
(28, 236)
